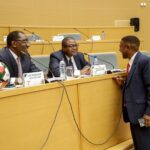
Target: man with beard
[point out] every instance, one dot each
(136, 91)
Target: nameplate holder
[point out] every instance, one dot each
(57, 38)
(34, 78)
(96, 38)
(98, 70)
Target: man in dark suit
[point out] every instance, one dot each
(17, 49)
(68, 52)
(136, 91)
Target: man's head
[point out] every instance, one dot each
(17, 41)
(69, 46)
(129, 45)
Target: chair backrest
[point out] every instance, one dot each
(107, 58)
(41, 61)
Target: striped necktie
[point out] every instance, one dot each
(19, 67)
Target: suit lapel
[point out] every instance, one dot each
(12, 62)
(77, 61)
(131, 73)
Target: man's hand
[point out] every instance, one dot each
(119, 80)
(147, 120)
(86, 70)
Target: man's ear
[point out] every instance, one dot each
(13, 43)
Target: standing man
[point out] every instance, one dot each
(69, 52)
(15, 55)
(136, 91)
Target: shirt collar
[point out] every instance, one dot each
(14, 55)
(68, 58)
(132, 59)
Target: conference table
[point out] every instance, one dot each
(78, 114)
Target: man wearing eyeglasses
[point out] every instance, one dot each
(15, 54)
(69, 53)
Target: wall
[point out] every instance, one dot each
(75, 12)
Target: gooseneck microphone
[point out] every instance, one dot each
(92, 42)
(28, 31)
(105, 61)
(36, 37)
(81, 32)
(33, 37)
(53, 79)
(47, 68)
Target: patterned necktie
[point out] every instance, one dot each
(128, 69)
(19, 67)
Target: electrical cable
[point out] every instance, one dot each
(84, 137)
(79, 130)
(55, 117)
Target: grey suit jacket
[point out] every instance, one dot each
(136, 92)
(8, 59)
(57, 56)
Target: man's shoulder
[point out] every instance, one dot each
(79, 53)
(143, 59)
(58, 54)
(4, 52)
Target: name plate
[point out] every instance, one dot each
(34, 78)
(98, 70)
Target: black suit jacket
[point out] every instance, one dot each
(8, 59)
(57, 56)
(136, 91)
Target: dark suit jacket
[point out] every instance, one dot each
(57, 56)
(136, 92)
(8, 59)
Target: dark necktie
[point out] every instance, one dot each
(70, 63)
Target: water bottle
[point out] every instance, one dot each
(93, 67)
(103, 35)
(62, 69)
(95, 61)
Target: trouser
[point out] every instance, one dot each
(141, 137)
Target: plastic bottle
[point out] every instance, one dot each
(95, 61)
(62, 69)
(103, 35)
(93, 67)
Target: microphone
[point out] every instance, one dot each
(92, 42)
(33, 37)
(81, 32)
(47, 68)
(37, 38)
(28, 31)
(107, 62)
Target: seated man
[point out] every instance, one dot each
(15, 55)
(69, 53)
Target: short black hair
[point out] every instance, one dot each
(63, 44)
(132, 40)
(12, 36)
